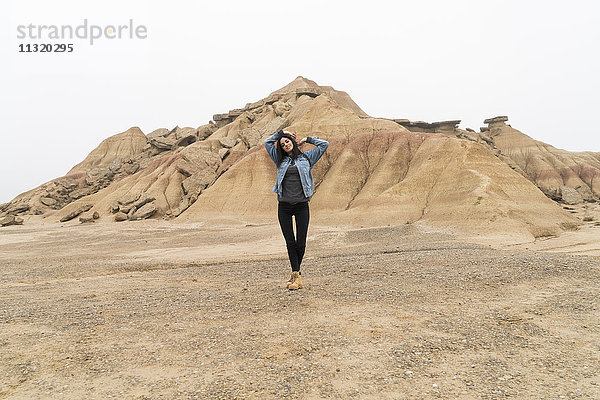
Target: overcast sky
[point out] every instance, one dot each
(535, 61)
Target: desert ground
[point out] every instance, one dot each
(159, 310)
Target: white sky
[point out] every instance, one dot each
(535, 61)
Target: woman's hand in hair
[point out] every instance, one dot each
(292, 134)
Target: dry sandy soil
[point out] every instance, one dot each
(585, 240)
(155, 310)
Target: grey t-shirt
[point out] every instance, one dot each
(291, 186)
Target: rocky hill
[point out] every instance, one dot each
(376, 171)
(571, 177)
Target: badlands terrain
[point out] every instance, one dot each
(440, 263)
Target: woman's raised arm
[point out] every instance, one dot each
(270, 144)
(316, 153)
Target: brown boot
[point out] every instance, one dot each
(296, 281)
(289, 282)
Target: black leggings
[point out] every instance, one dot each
(295, 246)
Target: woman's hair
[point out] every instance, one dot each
(282, 153)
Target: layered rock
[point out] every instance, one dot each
(376, 171)
(396, 177)
(548, 167)
(170, 184)
(430, 127)
(123, 145)
(11, 220)
(305, 87)
(569, 177)
(114, 158)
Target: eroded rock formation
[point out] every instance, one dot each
(376, 171)
(558, 173)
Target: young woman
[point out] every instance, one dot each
(294, 187)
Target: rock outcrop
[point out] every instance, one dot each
(89, 217)
(548, 167)
(76, 212)
(123, 145)
(11, 220)
(396, 177)
(570, 177)
(430, 127)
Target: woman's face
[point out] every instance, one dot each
(286, 145)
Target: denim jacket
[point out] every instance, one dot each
(304, 162)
